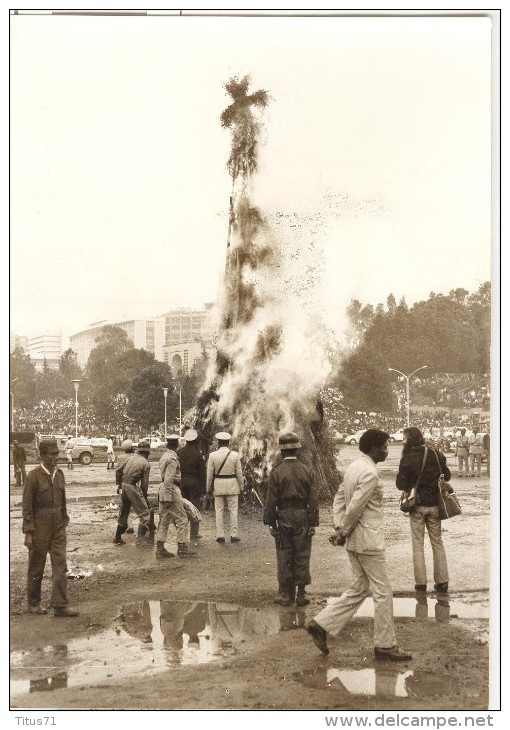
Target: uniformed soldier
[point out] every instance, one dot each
(292, 513)
(171, 509)
(125, 505)
(225, 480)
(462, 451)
(192, 475)
(19, 460)
(45, 520)
(133, 476)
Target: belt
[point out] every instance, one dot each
(225, 476)
(132, 483)
(292, 504)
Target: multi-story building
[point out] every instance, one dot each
(181, 357)
(189, 325)
(17, 341)
(45, 348)
(144, 333)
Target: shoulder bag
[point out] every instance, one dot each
(408, 498)
(448, 502)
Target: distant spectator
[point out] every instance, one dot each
(19, 460)
(475, 452)
(487, 448)
(462, 452)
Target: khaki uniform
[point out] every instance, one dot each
(45, 516)
(462, 450)
(226, 486)
(171, 508)
(133, 475)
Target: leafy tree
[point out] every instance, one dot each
(51, 385)
(364, 381)
(145, 394)
(22, 379)
(68, 366)
(102, 374)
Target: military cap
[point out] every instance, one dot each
(46, 446)
(144, 447)
(289, 440)
(173, 438)
(126, 444)
(223, 436)
(190, 435)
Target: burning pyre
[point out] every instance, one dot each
(271, 360)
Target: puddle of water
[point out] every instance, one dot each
(423, 606)
(150, 637)
(380, 682)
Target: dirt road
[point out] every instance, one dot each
(204, 633)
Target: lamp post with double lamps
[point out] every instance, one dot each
(12, 403)
(165, 393)
(76, 384)
(407, 378)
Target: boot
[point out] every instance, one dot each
(141, 537)
(301, 598)
(193, 532)
(117, 540)
(161, 551)
(183, 551)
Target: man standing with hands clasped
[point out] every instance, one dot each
(358, 520)
(45, 520)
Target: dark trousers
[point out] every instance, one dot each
(49, 537)
(21, 475)
(293, 550)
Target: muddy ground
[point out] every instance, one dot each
(204, 633)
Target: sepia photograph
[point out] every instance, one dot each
(253, 293)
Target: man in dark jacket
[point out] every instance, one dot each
(292, 513)
(192, 475)
(45, 520)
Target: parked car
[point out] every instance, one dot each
(353, 438)
(82, 452)
(398, 436)
(154, 441)
(99, 442)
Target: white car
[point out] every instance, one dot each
(154, 441)
(353, 438)
(398, 436)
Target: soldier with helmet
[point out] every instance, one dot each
(225, 480)
(292, 513)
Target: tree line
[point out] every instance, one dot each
(116, 372)
(448, 333)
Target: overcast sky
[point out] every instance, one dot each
(377, 143)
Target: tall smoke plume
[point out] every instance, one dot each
(271, 351)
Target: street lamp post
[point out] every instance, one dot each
(165, 393)
(180, 412)
(12, 404)
(76, 384)
(407, 378)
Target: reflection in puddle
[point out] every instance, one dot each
(149, 638)
(424, 606)
(380, 682)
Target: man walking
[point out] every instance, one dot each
(292, 513)
(133, 477)
(171, 508)
(192, 475)
(225, 479)
(19, 461)
(358, 520)
(125, 505)
(45, 520)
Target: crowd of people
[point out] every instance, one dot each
(291, 512)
